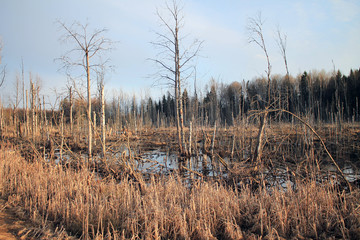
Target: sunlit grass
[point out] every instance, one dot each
(89, 207)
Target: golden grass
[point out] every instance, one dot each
(92, 208)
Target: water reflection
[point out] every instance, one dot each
(157, 161)
(202, 165)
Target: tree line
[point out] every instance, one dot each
(320, 96)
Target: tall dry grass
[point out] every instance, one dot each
(92, 208)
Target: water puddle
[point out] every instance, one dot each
(157, 161)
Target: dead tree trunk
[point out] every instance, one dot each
(71, 111)
(23, 93)
(27, 119)
(89, 45)
(88, 105)
(45, 121)
(32, 105)
(62, 135)
(103, 120)
(175, 69)
(256, 36)
(260, 138)
(94, 126)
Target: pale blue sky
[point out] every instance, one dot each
(318, 32)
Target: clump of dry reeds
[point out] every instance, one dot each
(167, 208)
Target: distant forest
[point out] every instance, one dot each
(320, 96)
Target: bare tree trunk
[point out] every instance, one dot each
(89, 107)
(41, 122)
(179, 100)
(45, 121)
(32, 110)
(103, 120)
(260, 137)
(135, 114)
(256, 36)
(190, 138)
(27, 113)
(181, 118)
(62, 135)
(213, 140)
(71, 111)
(94, 126)
(177, 113)
(36, 107)
(23, 93)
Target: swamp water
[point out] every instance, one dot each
(159, 162)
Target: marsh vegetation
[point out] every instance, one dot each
(272, 158)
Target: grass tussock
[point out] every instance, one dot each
(89, 207)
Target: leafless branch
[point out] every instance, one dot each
(164, 65)
(3, 69)
(255, 29)
(2, 75)
(188, 56)
(93, 44)
(281, 42)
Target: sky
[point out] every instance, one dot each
(320, 34)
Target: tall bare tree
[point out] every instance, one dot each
(88, 45)
(174, 59)
(255, 29)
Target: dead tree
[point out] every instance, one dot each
(17, 99)
(175, 60)
(255, 29)
(87, 46)
(2, 79)
(23, 94)
(32, 107)
(102, 111)
(71, 110)
(281, 41)
(27, 113)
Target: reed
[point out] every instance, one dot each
(92, 208)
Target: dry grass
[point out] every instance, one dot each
(89, 207)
